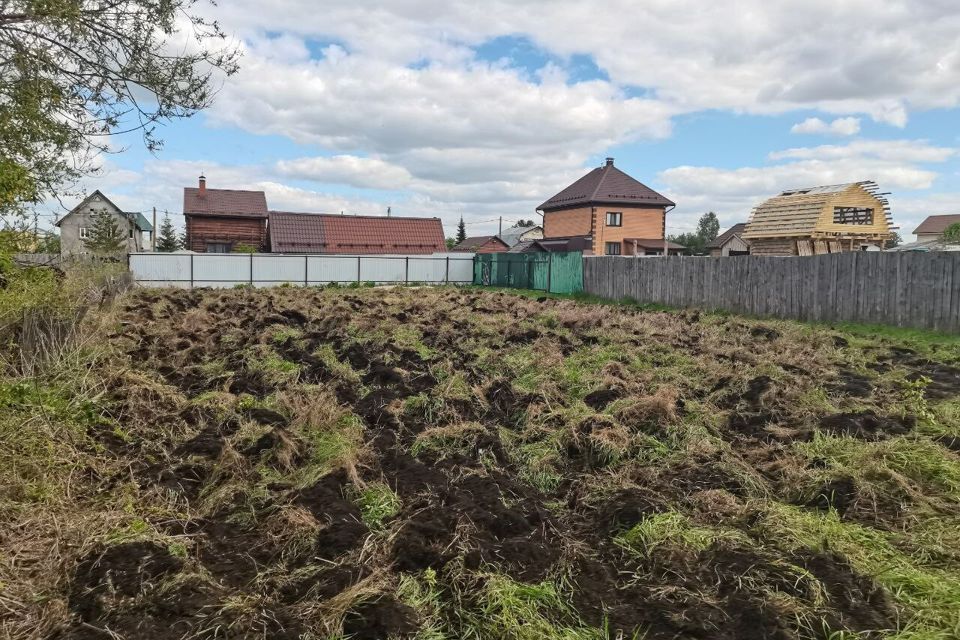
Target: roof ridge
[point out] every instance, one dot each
(219, 189)
(603, 176)
(342, 215)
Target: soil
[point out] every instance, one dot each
(478, 507)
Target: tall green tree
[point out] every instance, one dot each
(461, 231)
(708, 227)
(167, 239)
(524, 223)
(107, 236)
(73, 72)
(894, 241)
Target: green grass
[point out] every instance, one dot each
(920, 460)
(670, 528)
(922, 340)
(929, 594)
(511, 610)
(377, 503)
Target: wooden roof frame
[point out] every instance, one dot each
(808, 213)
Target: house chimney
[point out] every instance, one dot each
(203, 185)
(609, 162)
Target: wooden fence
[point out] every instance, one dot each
(905, 289)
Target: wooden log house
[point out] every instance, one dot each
(819, 220)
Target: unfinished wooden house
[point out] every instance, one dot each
(828, 219)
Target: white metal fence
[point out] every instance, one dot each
(272, 269)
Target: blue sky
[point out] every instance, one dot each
(447, 109)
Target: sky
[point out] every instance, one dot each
(486, 109)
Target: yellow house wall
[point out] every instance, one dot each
(853, 197)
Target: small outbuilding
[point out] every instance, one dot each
(730, 242)
(818, 220)
(482, 244)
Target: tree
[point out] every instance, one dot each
(461, 231)
(708, 227)
(167, 239)
(73, 72)
(894, 241)
(951, 235)
(48, 242)
(106, 236)
(451, 243)
(524, 223)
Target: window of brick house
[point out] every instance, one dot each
(612, 249)
(84, 232)
(614, 219)
(219, 247)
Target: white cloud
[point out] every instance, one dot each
(839, 127)
(898, 151)
(769, 56)
(355, 171)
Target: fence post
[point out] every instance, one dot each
(251, 269)
(306, 271)
(549, 271)
(446, 278)
(406, 270)
(191, 271)
(358, 269)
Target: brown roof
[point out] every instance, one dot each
(722, 239)
(325, 233)
(225, 202)
(570, 243)
(654, 243)
(475, 242)
(605, 185)
(937, 224)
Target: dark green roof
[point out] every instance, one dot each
(140, 221)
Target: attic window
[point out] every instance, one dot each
(852, 215)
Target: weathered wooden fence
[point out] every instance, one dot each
(905, 289)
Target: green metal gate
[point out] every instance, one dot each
(553, 272)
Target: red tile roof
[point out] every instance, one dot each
(605, 185)
(937, 224)
(224, 202)
(325, 233)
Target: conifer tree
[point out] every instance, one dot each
(168, 240)
(106, 236)
(461, 231)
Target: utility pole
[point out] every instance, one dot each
(500, 232)
(153, 234)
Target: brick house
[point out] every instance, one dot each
(325, 233)
(616, 214)
(482, 244)
(221, 220)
